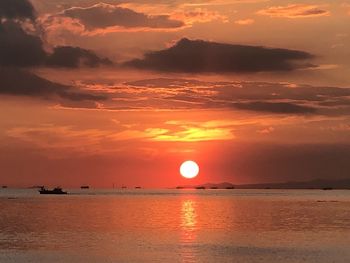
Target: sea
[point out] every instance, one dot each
(175, 225)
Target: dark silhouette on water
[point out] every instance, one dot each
(55, 191)
(4, 186)
(327, 188)
(224, 185)
(84, 187)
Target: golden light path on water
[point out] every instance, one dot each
(189, 229)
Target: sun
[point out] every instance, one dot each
(189, 169)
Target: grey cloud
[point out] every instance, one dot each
(195, 56)
(18, 48)
(23, 83)
(73, 57)
(104, 15)
(21, 49)
(17, 9)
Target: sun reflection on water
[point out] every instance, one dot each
(189, 222)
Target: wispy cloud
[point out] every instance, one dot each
(191, 132)
(262, 98)
(294, 11)
(245, 22)
(198, 15)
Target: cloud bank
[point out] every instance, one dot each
(198, 56)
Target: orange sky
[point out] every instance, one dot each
(254, 91)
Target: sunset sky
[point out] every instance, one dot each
(122, 92)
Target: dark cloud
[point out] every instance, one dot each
(21, 49)
(18, 48)
(274, 107)
(201, 56)
(23, 83)
(105, 15)
(16, 9)
(73, 57)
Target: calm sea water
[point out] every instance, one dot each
(175, 226)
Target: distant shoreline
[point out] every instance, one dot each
(317, 184)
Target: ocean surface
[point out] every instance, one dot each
(175, 226)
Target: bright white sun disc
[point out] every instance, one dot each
(189, 169)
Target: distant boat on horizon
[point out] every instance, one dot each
(84, 187)
(4, 186)
(55, 191)
(137, 187)
(224, 185)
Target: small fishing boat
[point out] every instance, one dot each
(55, 191)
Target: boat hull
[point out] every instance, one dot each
(48, 192)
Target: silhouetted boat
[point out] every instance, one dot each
(84, 187)
(138, 187)
(213, 187)
(327, 188)
(230, 187)
(55, 191)
(200, 187)
(4, 186)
